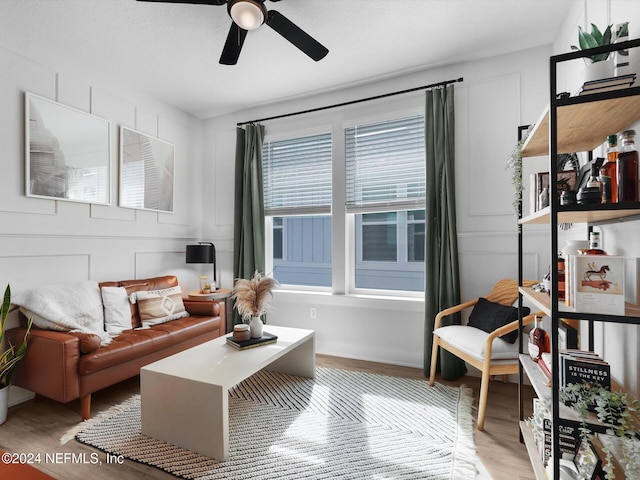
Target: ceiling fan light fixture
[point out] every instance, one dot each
(247, 14)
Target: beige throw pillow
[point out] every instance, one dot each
(160, 306)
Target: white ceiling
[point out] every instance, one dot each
(171, 51)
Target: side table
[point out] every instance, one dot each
(218, 296)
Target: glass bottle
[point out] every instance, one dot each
(595, 247)
(594, 179)
(628, 168)
(609, 172)
(539, 340)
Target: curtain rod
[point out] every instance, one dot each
(327, 107)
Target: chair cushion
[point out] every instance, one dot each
(472, 341)
(488, 316)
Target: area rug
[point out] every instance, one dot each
(340, 425)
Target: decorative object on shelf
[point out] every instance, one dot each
(67, 153)
(539, 341)
(592, 191)
(10, 357)
(251, 299)
(596, 66)
(204, 252)
(241, 332)
(574, 247)
(543, 198)
(595, 245)
(146, 172)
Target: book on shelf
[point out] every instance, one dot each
(607, 84)
(596, 284)
(265, 339)
(579, 366)
(544, 362)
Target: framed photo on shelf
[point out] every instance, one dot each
(567, 180)
(67, 153)
(146, 172)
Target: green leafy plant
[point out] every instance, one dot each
(593, 39)
(619, 411)
(515, 164)
(11, 355)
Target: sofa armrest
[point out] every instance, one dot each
(201, 308)
(50, 366)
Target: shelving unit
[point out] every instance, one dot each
(567, 125)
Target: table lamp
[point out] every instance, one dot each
(204, 252)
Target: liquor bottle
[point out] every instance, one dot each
(539, 341)
(595, 247)
(594, 179)
(628, 168)
(609, 172)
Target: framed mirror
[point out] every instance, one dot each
(146, 172)
(67, 152)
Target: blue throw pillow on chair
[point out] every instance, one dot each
(488, 316)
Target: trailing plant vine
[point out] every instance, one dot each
(515, 164)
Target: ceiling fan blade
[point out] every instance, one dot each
(195, 2)
(233, 45)
(296, 35)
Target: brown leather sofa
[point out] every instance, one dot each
(65, 366)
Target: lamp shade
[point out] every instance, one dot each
(247, 14)
(200, 253)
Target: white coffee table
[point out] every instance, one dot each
(185, 399)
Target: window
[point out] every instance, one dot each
(297, 189)
(385, 191)
(377, 181)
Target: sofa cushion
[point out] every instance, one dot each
(117, 309)
(160, 306)
(132, 344)
(473, 341)
(132, 286)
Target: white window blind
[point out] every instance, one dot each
(297, 176)
(385, 166)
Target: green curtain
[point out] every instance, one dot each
(248, 218)
(442, 283)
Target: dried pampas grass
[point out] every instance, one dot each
(251, 295)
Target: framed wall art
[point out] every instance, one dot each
(67, 152)
(146, 172)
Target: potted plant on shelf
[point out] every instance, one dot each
(596, 66)
(621, 415)
(251, 300)
(10, 356)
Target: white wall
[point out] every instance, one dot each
(47, 241)
(497, 95)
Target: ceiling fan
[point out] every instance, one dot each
(250, 14)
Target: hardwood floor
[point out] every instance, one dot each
(36, 427)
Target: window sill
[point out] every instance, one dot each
(388, 302)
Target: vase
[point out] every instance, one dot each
(573, 247)
(4, 403)
(256, 325)
(597, 70)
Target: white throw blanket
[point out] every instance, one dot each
(72, 307)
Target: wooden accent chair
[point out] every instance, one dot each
(479, 348)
